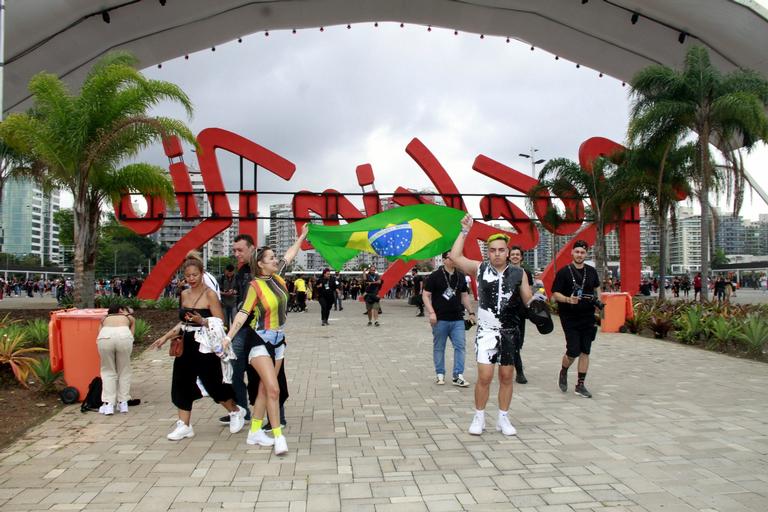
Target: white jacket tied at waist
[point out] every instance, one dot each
(211, 339)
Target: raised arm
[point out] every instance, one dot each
(466, 265)
(293, 250)
(525, 289)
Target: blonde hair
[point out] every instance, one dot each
(257, 256)
(193, 258)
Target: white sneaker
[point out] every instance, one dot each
(440, 379)
(459, 381)
(108, 409)
(260, 438)
(181, 431)
(123, 407)
(236, 420)
(478, 425)
(504, 426)
(281, 445)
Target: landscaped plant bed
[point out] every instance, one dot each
(740, 330)
(22, 408)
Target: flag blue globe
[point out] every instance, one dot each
(392, 240)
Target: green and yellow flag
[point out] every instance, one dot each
(405, 233)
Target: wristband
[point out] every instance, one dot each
(227, 338)
(465, 232)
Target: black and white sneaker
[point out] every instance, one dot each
(459, 381)
(562, 381)
(582, 391)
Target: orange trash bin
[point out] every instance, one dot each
(72, 345)
(618, 307)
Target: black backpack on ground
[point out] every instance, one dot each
(92, 400)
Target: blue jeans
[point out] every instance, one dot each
(440, 333)
(238, 369)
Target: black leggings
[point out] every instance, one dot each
(191, 365)
(325, 308)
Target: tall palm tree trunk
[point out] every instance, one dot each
(86, 220)
(662, 253)
(706, 174)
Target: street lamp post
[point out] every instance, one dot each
(534, 163)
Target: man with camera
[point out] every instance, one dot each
(446, 296)
(576, 289)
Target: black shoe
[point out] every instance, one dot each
(520, 379)
(420, 314)
(582, 391)
(563, 381)
(224, 420)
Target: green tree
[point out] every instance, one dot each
(82, 140)
(652, 260)
(217, 264)
(719, 259)
(603, 188)
(661, 174)
(699, 101)
(65, 219)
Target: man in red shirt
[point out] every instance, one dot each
(696, 286)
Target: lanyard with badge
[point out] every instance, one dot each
(578, 290)
(449, 292)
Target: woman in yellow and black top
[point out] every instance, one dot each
(263, 313)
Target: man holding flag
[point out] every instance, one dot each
(501, 289)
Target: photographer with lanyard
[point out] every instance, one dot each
(446, 296)
(576, 289)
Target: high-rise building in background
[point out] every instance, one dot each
(730, 233)
(649, 235)
(685, 243)
(174, 228)
(27, 226)
(282, 234)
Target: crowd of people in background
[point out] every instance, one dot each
(31, 287)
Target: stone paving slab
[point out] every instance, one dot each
(670, 428)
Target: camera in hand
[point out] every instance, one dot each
(592, 299)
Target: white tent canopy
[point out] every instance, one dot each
(616, 37)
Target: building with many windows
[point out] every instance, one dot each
(685, 243)
(27, 226)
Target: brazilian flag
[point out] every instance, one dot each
(405, 233)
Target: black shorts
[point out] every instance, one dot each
(578, 340)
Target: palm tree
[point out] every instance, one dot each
(603, 187)
(699, 100)
(661, 174)
(81, 141)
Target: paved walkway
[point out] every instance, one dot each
(671, 428)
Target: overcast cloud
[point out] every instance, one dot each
(329, 101)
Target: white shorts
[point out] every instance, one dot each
(486, 345)
(261, 351)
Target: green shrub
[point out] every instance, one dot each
(140, 331)
(689, 325)
(148, 304)
(107, 301)
(752, 333)
(45, 376)
(719, 331)
(167, 303)
(37, 333)
(19, 358)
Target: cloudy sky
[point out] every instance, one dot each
(329, 101)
